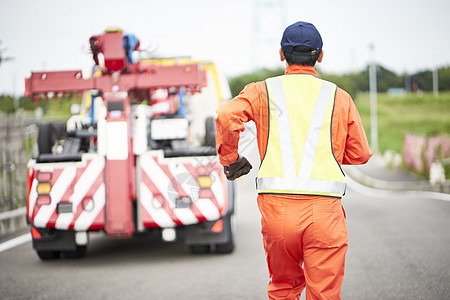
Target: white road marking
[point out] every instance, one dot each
(15, 242)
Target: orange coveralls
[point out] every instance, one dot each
(305, 237)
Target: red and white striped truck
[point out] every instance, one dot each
(139, 157)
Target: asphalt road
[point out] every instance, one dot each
(399, 249)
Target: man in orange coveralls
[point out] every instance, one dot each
(306, 128)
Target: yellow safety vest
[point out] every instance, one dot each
(299, 158)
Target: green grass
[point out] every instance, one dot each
(427, 114)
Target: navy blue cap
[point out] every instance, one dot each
(301, 34)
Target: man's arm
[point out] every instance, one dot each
(357, 149)
(230, 120)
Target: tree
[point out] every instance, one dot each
(6, 104)
(355, 82)
(28, 105)
(444, 78)
(238, 83)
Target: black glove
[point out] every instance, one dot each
(237, 169)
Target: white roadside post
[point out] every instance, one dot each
(435, 79)
(373, 101)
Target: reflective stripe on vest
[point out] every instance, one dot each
(299, 158)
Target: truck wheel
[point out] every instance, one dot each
(225, 248)
(230, 228)
(47, 255)
(78, 253)
(200, 249)
(210, 132)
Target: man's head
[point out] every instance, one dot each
(301, 44)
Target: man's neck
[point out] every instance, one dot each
(298, 69)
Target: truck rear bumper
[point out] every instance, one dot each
(54, 240)
(199, 234)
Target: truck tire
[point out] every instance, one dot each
(78, 253)
(200, 249)
(210, 132)
(230, 227)
(47, 255)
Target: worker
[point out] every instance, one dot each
(130, 44)
(96, 47)
(306, 128)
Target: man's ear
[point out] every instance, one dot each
(319, 59)
(282, 58)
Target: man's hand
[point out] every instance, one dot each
(237, 169)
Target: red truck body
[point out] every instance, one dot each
(130, 169)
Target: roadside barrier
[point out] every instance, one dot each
(12, 221)
(16, 146)
(421, 152)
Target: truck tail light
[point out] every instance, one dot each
(43, 200)
(35, 234)
(44, 188)
(218, 226)
(204, 182)
(43, 176)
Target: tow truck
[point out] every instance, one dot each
(138, 155)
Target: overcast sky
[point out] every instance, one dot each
(239, 35)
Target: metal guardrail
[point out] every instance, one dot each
(13, 220)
